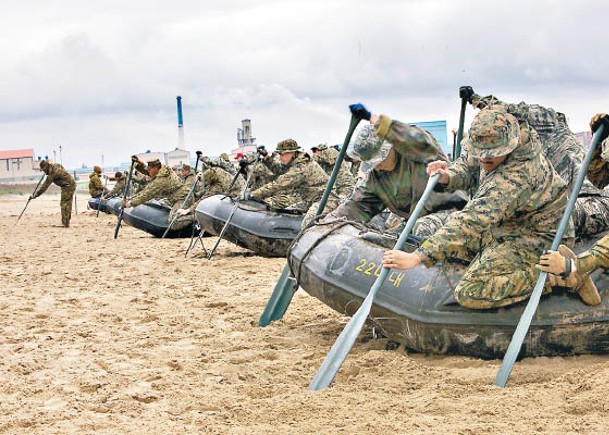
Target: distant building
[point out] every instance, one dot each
(149, 156)
(177, 157)
(584, 138)
(246, 143)
(438, 130)
(18, 165)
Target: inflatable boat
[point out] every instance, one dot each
(151, 217)
(253, 226)
(98, 203)
(338, 264)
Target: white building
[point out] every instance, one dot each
(177, 157)
(18, 165)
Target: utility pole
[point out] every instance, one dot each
(60, 159)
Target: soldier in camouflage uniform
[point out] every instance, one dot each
(165, 186)
(214, 180)
(326, 157)
(300, 186)
(119, 186)
(96, 187)
(566, 153)
(58, 175)
(396, 155)
(563, 262)
(510, 220)
(186, 174)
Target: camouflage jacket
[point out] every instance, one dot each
(57, 175)
(215, 182)
(345, 183)
(522, 197)
(96, 187)
(118, 189)
(560, 145)
(165, 185)
(189, 179)
(598, 171)
(399, 189)
(303, 176)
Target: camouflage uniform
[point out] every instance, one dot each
(167, 187)
(118, 189)
(345, 183)
(96, 187)
(563, 150)
(510, 219)
(400, 189)
(303, 183)
(58, 175)
(215, 182)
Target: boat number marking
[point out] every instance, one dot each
(370, 268)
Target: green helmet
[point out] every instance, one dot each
(287, 145)
(493, 133)
(224, 156)
(320, 147)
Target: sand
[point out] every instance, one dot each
(127, 336)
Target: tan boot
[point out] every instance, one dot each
(583, 284)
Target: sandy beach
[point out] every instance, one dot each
(128, 336)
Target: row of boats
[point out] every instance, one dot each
(338, 262)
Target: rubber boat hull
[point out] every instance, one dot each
(97, 203)
(150, 217)
(253, 226)
(417, 307)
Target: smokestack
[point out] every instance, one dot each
(180, 124)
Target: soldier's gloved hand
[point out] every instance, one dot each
(182, 211)
(262, 151)
(135, 159)
(243, 164)
(199, 176)
(126, 203)
(33, 196)
(245, 196)
(552, 262)
(466, 93)
(359, 111)
(598, 120)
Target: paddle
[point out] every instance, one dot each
(230, 216)
(125, 194)
(335, 358)
(190, 192)
(75, 199)
(465, 93)
(527, 316)
(284, 288)
(31, 196)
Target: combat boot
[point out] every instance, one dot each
(582, 284)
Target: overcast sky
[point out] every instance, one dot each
(100, 78)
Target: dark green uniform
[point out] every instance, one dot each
(96, 187)
(56, 174)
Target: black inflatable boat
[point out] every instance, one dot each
(98, 203)
(253, 225)
(151, 217)
(337, 265)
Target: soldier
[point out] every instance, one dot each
(214, 181)
(58, 175)
(96, 187)
(564, 263)
(224, 162)
(187, 175)
(165, 186)
(396, 155)
(326, 157)
(509, 221)
(566, 153)
(119, 186)
(300, 186)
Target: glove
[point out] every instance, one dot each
(200, 176)
(182, 211)
(553, 262)
(243, 164)
(33, 196)
(245, 196)
(262, 151)
(466, 93)
(598, 120)
(126, 203)
(359, 111)
(135, 159)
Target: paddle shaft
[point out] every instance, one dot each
(75, 199)
(335, 358)
(232, 212)
(125, 194)
(527, 316)
(101, 197)
(190, 192)
(30, 198)
(284, 289)
(460, 130)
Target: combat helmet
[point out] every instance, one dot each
(287, 146)
(43, 164)
(493, 133)
(368, 147)
(320, 147)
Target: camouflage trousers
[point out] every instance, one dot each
(503, 273)
(285, 200)
(332, 203)
(67, 195)
(424, 227)
(590, 216)
(181, 221)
